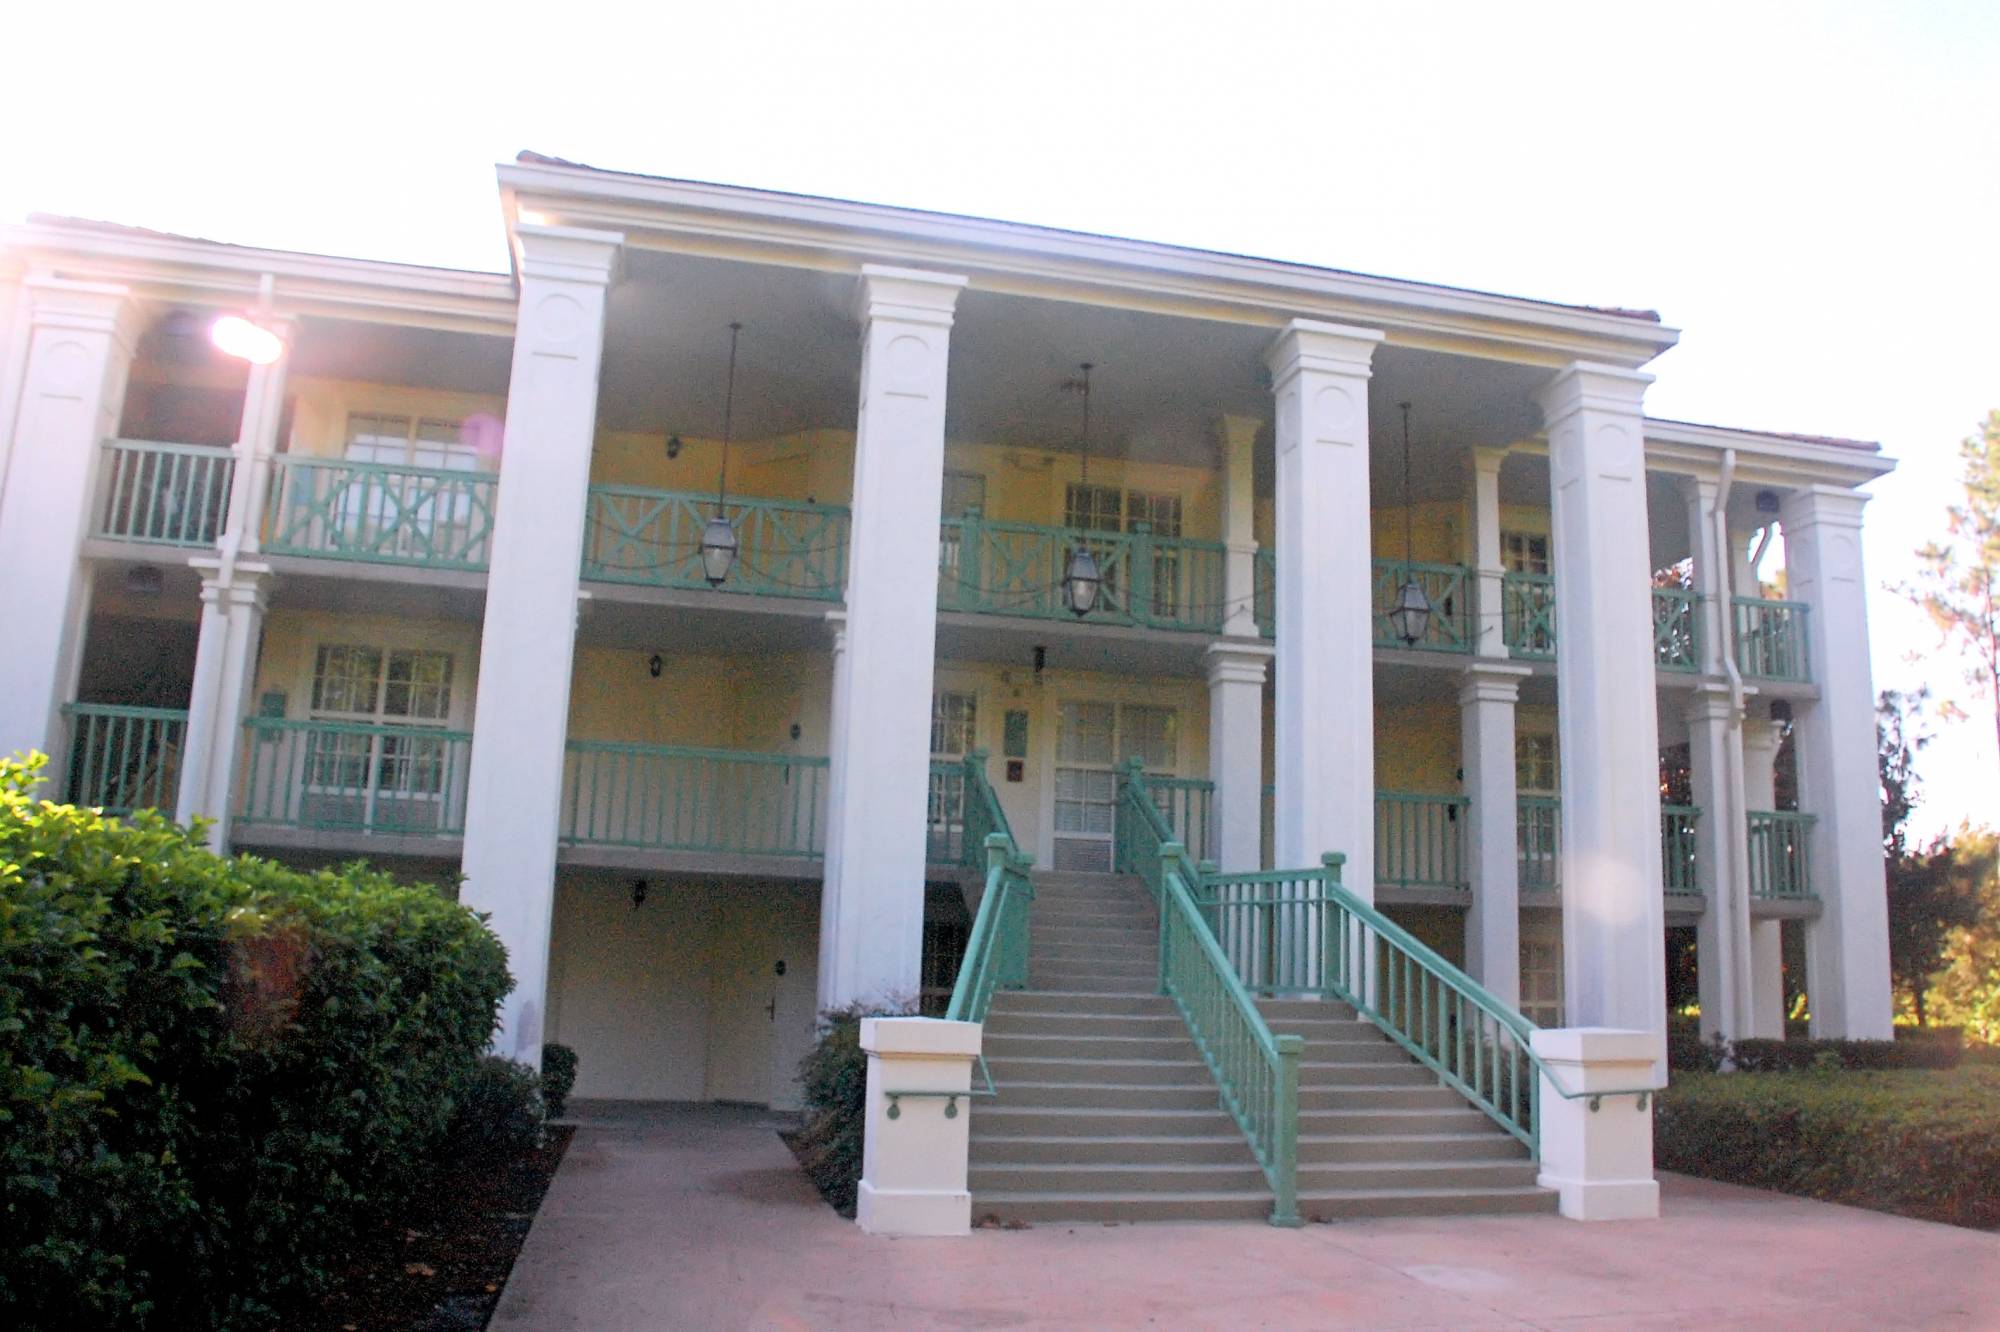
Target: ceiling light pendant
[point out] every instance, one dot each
(1410, 616)
(1082, 579)
(718, 538)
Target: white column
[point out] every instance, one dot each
(836, 743)
(233, 598)
(1597, 1141)
(1236, 751)
(1722, 936)
(1238, 438)
(1325, 704)
(1767, 950)
(1489, 638)
(1847, 948)
(81, 337)
(1614, 963)
(1486, 700)
(873, 900)
(528, 644)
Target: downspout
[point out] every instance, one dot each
(1735, 826)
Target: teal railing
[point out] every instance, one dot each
(680, 798)
(376, 513)
(652, 538)
(1781, 855)
(1538, 838)
(1676, 629)
(1264, 589)
(1771, 639)
(1256, 1072)
(124, 758)
(1159, 582)
(996, 951)
(1447, 587)
(164, 494)
(1677, 850)
(1528, 615)
(1420, 840)
(1187, 804)
(354, 777)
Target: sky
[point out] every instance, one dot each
(1809, 191)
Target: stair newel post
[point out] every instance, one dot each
(1171, 854)
(1329, 944)
(1010, 966)
(1285, 1133)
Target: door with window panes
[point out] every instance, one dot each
(964, 496)
(384, 766)
(1093, 508)
(1530, 604)
(954, 732)
(1537, 780)
(417, 509)
(1092, 739)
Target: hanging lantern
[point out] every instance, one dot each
(718, 550)
(1081, 580)
(1410, 617)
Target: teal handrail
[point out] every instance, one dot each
(379, 513)
(1008, 568)
(652, 538)
(1256, 1072)
(164, 494)
(1528, 615)
(354, 777)
(996, 951)
(1676, 629)
(124, 758)
(1771, 639)
(1420, 840)
(687, 798)
(1677, 850)
(1781, 855)
(1448, 588)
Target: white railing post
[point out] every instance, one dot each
(919, 1115)
(1597, 1142)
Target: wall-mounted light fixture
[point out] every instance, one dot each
(654, 666)
(638, 893)
(673, 447)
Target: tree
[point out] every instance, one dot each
(1927, 897)
(1958, 580)
(1966, 992)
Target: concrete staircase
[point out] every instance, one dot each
(1106, 1111)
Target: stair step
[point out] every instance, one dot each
(1110, 1096)
(1169, 1044)
(1350, 1176)
(1141, 1177)
(1072, 1026)
(1369, 1096)
(1336, 1148)
(1374, 1072)
(1354, 1204)
(1016, 1205)
(1130, 952)
(1115, 1148)
(1319, 1122)
(1285, 1010)
(1008, 1070)
(998, 1119)
(1138, 1000)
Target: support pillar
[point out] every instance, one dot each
(1238, 439)
(1325, 694)
(528, 645)
(873, 899)
(1722, 937)
(1767, 947)
(81, 337)
(1486, 700)
(1847, 947)
(1614, 960)
(1488, 601)
(1236, 671)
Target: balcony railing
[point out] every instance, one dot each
(164, 494)
(1528, 615)
(1154, 581)
(1449, 588)
(1676, 629)
(1264, 589)
(652, 538)
(1781, 855)
(1420, 840)
(330, 776)
(124, 758)
(677, 798)
(328, 508)
(1677, 850)
(1771, 640)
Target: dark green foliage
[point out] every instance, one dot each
(558, 1077)
(1930, 1047)
(1687, 1051)
(1924, 1144)
(213, 1073)
(499, 1110)
(834, 1085)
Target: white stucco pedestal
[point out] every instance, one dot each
(913, 1160)
(1597, 1142)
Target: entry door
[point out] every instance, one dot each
(761, 996)
(1092, 738)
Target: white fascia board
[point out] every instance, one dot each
(1761, 459)
(185, 269)
(659, 213)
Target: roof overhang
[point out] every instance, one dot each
(763, 226)
(1763, 458)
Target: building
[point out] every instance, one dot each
(429, 588)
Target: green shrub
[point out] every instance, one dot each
(558, 1077)
(1934, 1048)
(213, 1073)
(1921, 1143)
(499, 1111)
(1687, 1051)
(834, 1087)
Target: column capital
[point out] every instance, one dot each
(1829, 506)
(82, 307)
(1488, 457)
(1237, 661)
(1761, 736)
(1308, 344)
(1231, 430)
(1492, 681)
(567, 254)
(1590, 385)
(908, 295)
(1710, 701)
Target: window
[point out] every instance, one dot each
(954, 734)
(1091, 739)
(1094, 508)
(1161, 512)
(1536, 771)
(1541, 979)
(1110, 509)
(405, 441)
(1524, 552)
(364, 774)
(964, 493)
(954, 723)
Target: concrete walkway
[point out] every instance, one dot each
(697, 1217)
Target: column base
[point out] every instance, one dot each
(1605, 1200)
(942, 1213)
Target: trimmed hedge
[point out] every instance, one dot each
(834, 1086)
(1930, 1047)
(558, 1077)
(1923, 1144)
(213, 1073)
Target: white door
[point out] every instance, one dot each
(762, 987)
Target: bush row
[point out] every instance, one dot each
(213, 1073)
(1913, 1047)
(1925, 1144)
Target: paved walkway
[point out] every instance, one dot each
(696, 1217)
